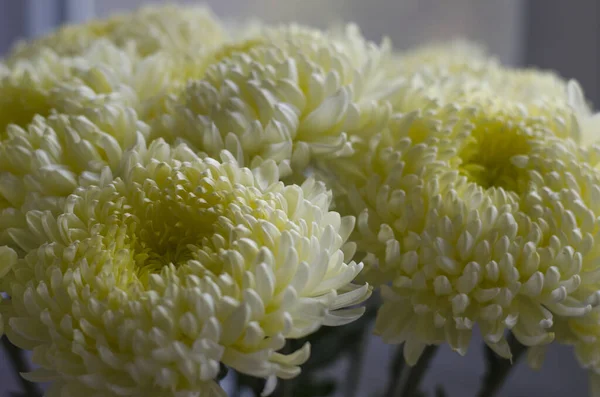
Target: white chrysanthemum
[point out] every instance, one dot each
(583, 333)
(546, 98)
(300, 95)
(104, 73)
(48, 160)
(588, 120)
(149, 30)
(450, 58)
(145, 283)
(476, 215)
(538, 103)
(448, 74)
(8, 259)
(462, 61)
(580, 206)
(25, 86)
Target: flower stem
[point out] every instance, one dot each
(355, 366)
(19, 364)
(499, 368)
(404, 381)
(396, 370)
(416, 373)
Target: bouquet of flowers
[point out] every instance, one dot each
(180, 200)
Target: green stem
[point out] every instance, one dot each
(288, 388)
(416, 373)
(19, 364)
(223, 370)
(499, 368)
(396, 370)
(258, 388)
(355, 366)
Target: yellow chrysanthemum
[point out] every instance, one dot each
(145, 283)
(475, 215)
(298, 96)
(149, 30)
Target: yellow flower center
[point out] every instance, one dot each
(174, 223)
(488, 157)
(20, 103)
(159, 245)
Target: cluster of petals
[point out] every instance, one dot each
(150, 29)
(165, 208)
(474, 210)
(287, 94)
(147, 282)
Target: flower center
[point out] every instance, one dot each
(488, 158)
(163, 245)
(175, 222)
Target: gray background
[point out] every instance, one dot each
(557, 34)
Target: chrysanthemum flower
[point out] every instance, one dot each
(463, 59)
(583, 333)
(473, 214)
(25, 86)
(450, 58)
(588, 121)
(579, 207)
(145, 283)
(548, 99)
(299, 95)
(8, 259)
(455, 74)
(537, 102)
(42, 164)
(104, 73)
(149, 30)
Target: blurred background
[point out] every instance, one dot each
(551, 34)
